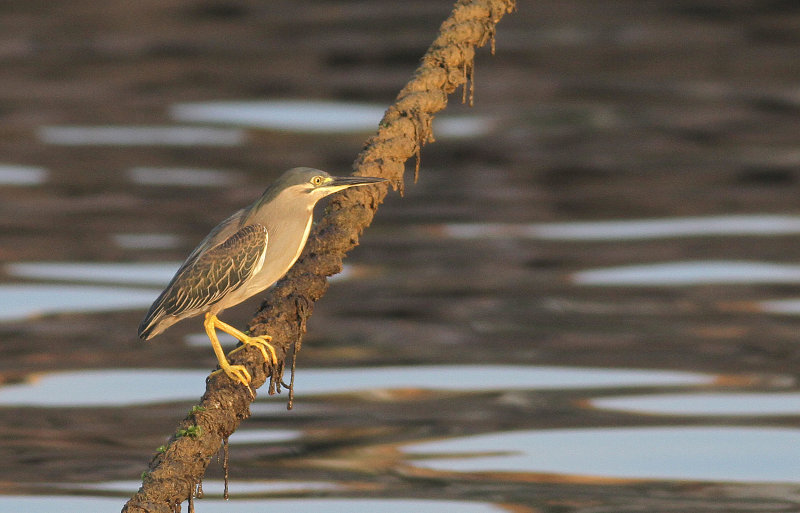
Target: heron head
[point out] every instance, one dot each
(314, 184)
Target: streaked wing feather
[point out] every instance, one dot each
(217, 272)
(222, 232)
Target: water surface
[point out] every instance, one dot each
(152, 273)
(140, 136)
(146, 241)
(698, 453)
(214, 488)
(750, 404)
(690, 273)
(315, 117)
(11, 174)
(640, 144)
(631, 229)
(182, 176)
(70, 504)
(24, 300)
(151, 386)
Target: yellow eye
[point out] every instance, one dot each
(317, 181)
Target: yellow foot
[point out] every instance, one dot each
(262, 343)
(238, 374)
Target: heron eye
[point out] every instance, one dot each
(317, 180)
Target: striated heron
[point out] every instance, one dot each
(243, 255)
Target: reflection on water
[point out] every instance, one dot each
(120, 387)
(751, 404)
(21, 175)
(290, 115)
(485, 378)
(25, 300)
(690, 273)
(182, 176)
(681, 453)
(201, 340)
(68, 504)
(461, 127)
(147, 273)
(157, 273)
(638, 229)
(22, 301)
(779, 306)
(311, 116)
(263, 436)
(144, 241)
(60, 503)
(215, 488)
(140, 136)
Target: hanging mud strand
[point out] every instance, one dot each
(303, 309)
(275, 377)
(290, 404)
(423, 132)
(491, 29)
(195, 492)
(469, 82)
(417, 160)
(464, 85)
(421, 122)
(225, 467)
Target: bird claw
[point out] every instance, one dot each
(262, 343)
(238, 374)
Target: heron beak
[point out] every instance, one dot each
(343, 182)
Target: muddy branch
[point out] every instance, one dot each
(179, 466)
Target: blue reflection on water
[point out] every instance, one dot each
(182, 176)
(67, 504)
(214, 487)
(21, 301)
(146, 241)
(11, 174)
(110, 135)
(751, 404)
(138, 273)
(155, 273)
(291, 115)
(631, 229)
(122, 387)
(703, 453)
(315, 116)
(690, 273)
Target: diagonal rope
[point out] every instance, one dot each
(178, 467)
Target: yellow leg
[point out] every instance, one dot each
(262, 342)
(237, 373)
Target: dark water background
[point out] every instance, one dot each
(471, 359)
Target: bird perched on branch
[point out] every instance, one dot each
(243, 255)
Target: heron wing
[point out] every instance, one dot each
(222, 232)
(210, 275)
